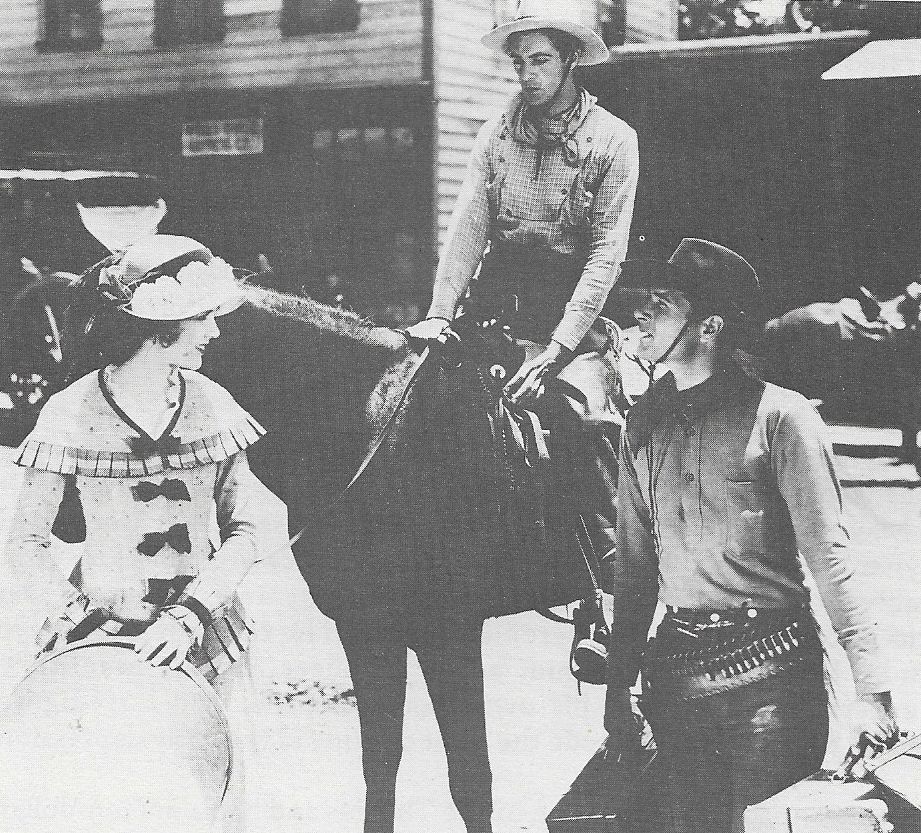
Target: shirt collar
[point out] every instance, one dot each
(664, 400)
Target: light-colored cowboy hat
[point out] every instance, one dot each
(165, 277)
(550, 14)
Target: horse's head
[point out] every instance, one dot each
(895, 316)
(307, 372)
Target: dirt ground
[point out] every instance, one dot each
(305, 774)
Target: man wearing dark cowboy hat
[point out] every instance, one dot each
(726, 482)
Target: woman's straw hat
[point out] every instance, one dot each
(165, 277)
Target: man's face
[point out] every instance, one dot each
(539, 67)
(661, 317)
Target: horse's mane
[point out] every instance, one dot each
(327, 320)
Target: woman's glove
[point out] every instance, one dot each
(168, 640)
(428, 329)
(529, 381)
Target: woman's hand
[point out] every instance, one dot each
(529, 381)
(428, 329)
(874, 728)
(165, 642)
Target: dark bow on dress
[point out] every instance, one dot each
(177, 537)
(148, 447)
(170, 489)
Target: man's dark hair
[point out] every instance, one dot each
(564, 43)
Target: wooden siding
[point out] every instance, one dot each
(471, 85)
(650, 20)
(743, 143)
(385, 50)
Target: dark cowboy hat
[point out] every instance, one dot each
(715, 279)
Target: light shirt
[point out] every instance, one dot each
(517, 193)
(722, 489)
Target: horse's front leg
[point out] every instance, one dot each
(377, 663)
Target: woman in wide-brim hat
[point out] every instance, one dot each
(134, 458)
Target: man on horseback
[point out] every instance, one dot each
(548, 198)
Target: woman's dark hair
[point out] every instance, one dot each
(99, 334)
(564, 43)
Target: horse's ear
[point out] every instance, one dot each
(29, 267)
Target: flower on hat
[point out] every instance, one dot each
(197, 288)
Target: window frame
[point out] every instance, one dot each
(167, 34)
(53, 36)
(292, 23)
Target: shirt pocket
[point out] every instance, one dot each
(748, 515)
(494, 193)
(576, 209)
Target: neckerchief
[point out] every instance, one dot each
(545, 134)
(664, 400)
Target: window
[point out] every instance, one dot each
(70, 24)
(303, 17)
(188, 21)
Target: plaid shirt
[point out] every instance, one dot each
(514, 194)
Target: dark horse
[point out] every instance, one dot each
(858, 355)
(446, 526)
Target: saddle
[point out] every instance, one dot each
(590, 381)
(463, 507)
(550, 557)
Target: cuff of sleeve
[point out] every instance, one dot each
(197, 607)
(874, 683)
(441, 310)
(572, 329)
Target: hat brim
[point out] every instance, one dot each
(594, 52)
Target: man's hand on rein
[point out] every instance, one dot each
(428, 329)
(529, 382)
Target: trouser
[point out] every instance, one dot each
(527, 288)
(452, 664)
(728, 751)
(585, 472)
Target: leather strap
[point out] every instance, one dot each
(375, 446)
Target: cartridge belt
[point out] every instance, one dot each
(737, 655)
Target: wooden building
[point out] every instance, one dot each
(742, 142)
(332, 136)
(310, 131)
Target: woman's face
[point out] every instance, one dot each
(539, 67)
(189, 347)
